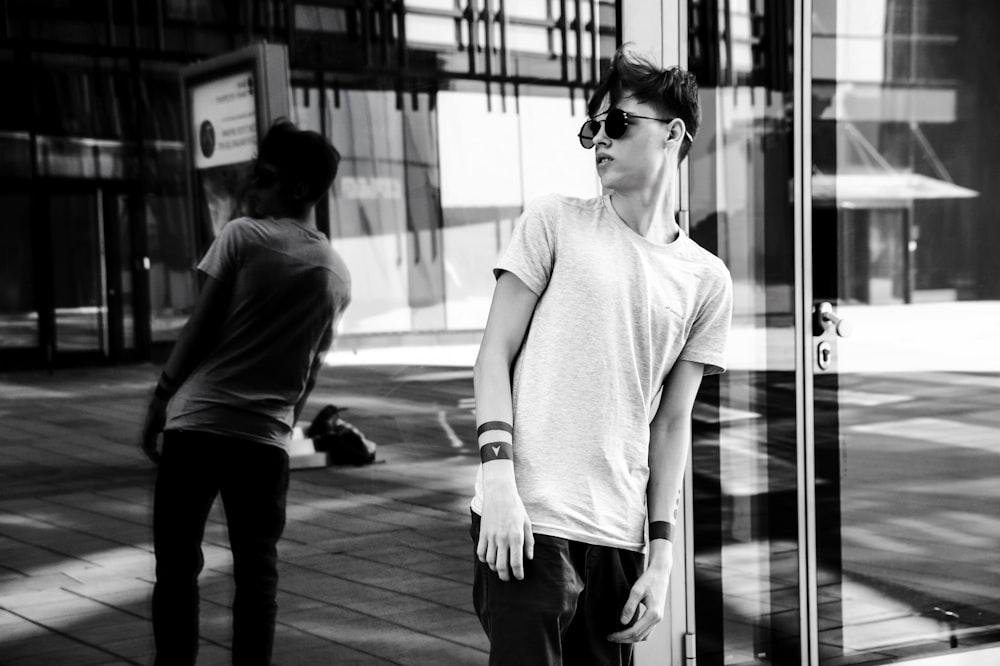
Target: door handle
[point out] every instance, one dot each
(825, 318)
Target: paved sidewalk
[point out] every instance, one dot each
(375, 561)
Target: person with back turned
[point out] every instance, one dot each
(605, 317)
(232, 389)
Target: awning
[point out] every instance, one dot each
(882, 189)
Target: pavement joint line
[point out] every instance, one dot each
(377, 617)
(83, 482)
(119, 517)
(374, 586)
(453, 439)
(417, 548)
(390, 526)
(50, 550)
(70, 637)
(67, 528)
(346, 645)
(104, 603)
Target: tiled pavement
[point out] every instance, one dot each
(375, 561)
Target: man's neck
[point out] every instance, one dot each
(306, 221)
(309, 223)
(649, 213)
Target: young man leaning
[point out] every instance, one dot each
(232, 389)
(605, 309)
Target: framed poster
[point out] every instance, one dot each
(230, 102)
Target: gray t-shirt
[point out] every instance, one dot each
(288, 286)
(615, 312)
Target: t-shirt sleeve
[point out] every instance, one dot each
(531, 252)
(223, 255)
(709, 335)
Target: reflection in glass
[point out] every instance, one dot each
(18, 317)
(427, 193)
(170, 232)
(123, 280)
(79, 279)
(745, 449)
(368, 212)
(905, 239)
(172, 286)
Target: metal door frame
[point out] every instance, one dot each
(802, 229)
(661, 29)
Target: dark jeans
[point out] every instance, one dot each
(562, 612)
(252, 479)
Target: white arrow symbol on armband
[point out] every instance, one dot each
(496, 450)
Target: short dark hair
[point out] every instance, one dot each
(300, 156)
(672, 91)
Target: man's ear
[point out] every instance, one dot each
(677, 131)
(300, 191)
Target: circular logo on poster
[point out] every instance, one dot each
(207, 138)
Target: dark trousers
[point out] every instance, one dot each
(252, 479)
(562, 612)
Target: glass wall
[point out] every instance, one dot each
(18, 315)
(429, 188)
(906, 148)
(745, 487)
(438, 167)
(904, 433)
(425, 99)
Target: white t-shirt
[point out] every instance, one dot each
(615, 312)
(288, 286)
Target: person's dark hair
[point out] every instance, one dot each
(672, 91)
(300, 156)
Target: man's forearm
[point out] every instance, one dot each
(491, 383)
(668, 455)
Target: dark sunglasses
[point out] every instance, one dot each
(615, 125)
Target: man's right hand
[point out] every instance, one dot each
(505, 537)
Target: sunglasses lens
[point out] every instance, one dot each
(588, 132)
(616, 123)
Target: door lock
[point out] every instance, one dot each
(824, 354)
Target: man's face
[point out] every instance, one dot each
(638, 159)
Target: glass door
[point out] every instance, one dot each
(746, 502)
(88, 314)
(906, 309)
(18, 310)
(845, 472)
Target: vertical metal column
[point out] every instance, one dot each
(660, 28)
(805, 441)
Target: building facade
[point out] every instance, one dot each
(842, 505)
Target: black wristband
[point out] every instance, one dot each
(661, 529)
(165, 388)
(494, 425)
(496, 451)
(162, 392)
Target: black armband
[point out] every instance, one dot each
(661, 529)
(496, 451)
(494, 425)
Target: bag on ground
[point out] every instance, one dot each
(342, 442)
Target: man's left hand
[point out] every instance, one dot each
(156, 417)
(649, 592)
